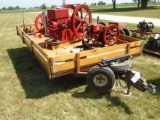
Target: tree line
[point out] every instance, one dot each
(43, 6)
(11, 8)
(140, 4)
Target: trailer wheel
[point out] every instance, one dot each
(100, 79)
(121, 67)
(126, 32)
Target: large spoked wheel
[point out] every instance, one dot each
(39, 22)
(100, 79)
(81, 18)
(111, 34)
(70, 7)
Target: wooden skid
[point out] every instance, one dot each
(151, 51)
(60, 61)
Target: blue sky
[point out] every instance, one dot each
(33, 3)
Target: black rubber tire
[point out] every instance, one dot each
(122, 32)
(104, 76)
(126, 31)
(121, 67)
(94, 67)
(152, 25)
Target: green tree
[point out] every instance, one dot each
(43, 6)
(144, 3)
(17, 7)
(93, 4)
(101, 3)
(53, 6)
(10, 8)
(4, 8)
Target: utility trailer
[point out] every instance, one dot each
(64, 59)
(66, 44)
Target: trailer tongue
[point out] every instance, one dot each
(103, 76)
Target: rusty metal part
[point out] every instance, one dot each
(135, 79)
(81, 18)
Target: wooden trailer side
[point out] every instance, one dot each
(134, 44)
(36, 50)
(58, 65)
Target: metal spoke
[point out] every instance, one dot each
(81, 14)
(114, 33)
(78, 19)
(110, 31)
(113, 38)
(85, 15)
(107, 37)
(41, 19)
(78, 27)
(82, 27)
(40, 23)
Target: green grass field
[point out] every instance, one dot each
(151, 12)
(27, 93)
(128, 10)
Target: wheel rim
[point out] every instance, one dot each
(100, 80)
(151, 26)
(111, 34)
(39, 22)
(81, 18)
(69, 6)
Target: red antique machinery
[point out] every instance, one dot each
(64, 27)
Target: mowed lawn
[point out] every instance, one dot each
(26, 93)
(129, 10)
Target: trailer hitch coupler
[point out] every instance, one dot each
(151, 88)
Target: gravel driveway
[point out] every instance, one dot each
(127, 19)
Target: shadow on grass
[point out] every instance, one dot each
(33, 77)
(128, 9)
(115, 100)
(145, 53)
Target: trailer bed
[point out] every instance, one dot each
(62, 59)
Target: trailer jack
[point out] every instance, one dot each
(135, 79)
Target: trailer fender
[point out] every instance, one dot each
(121, 67)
